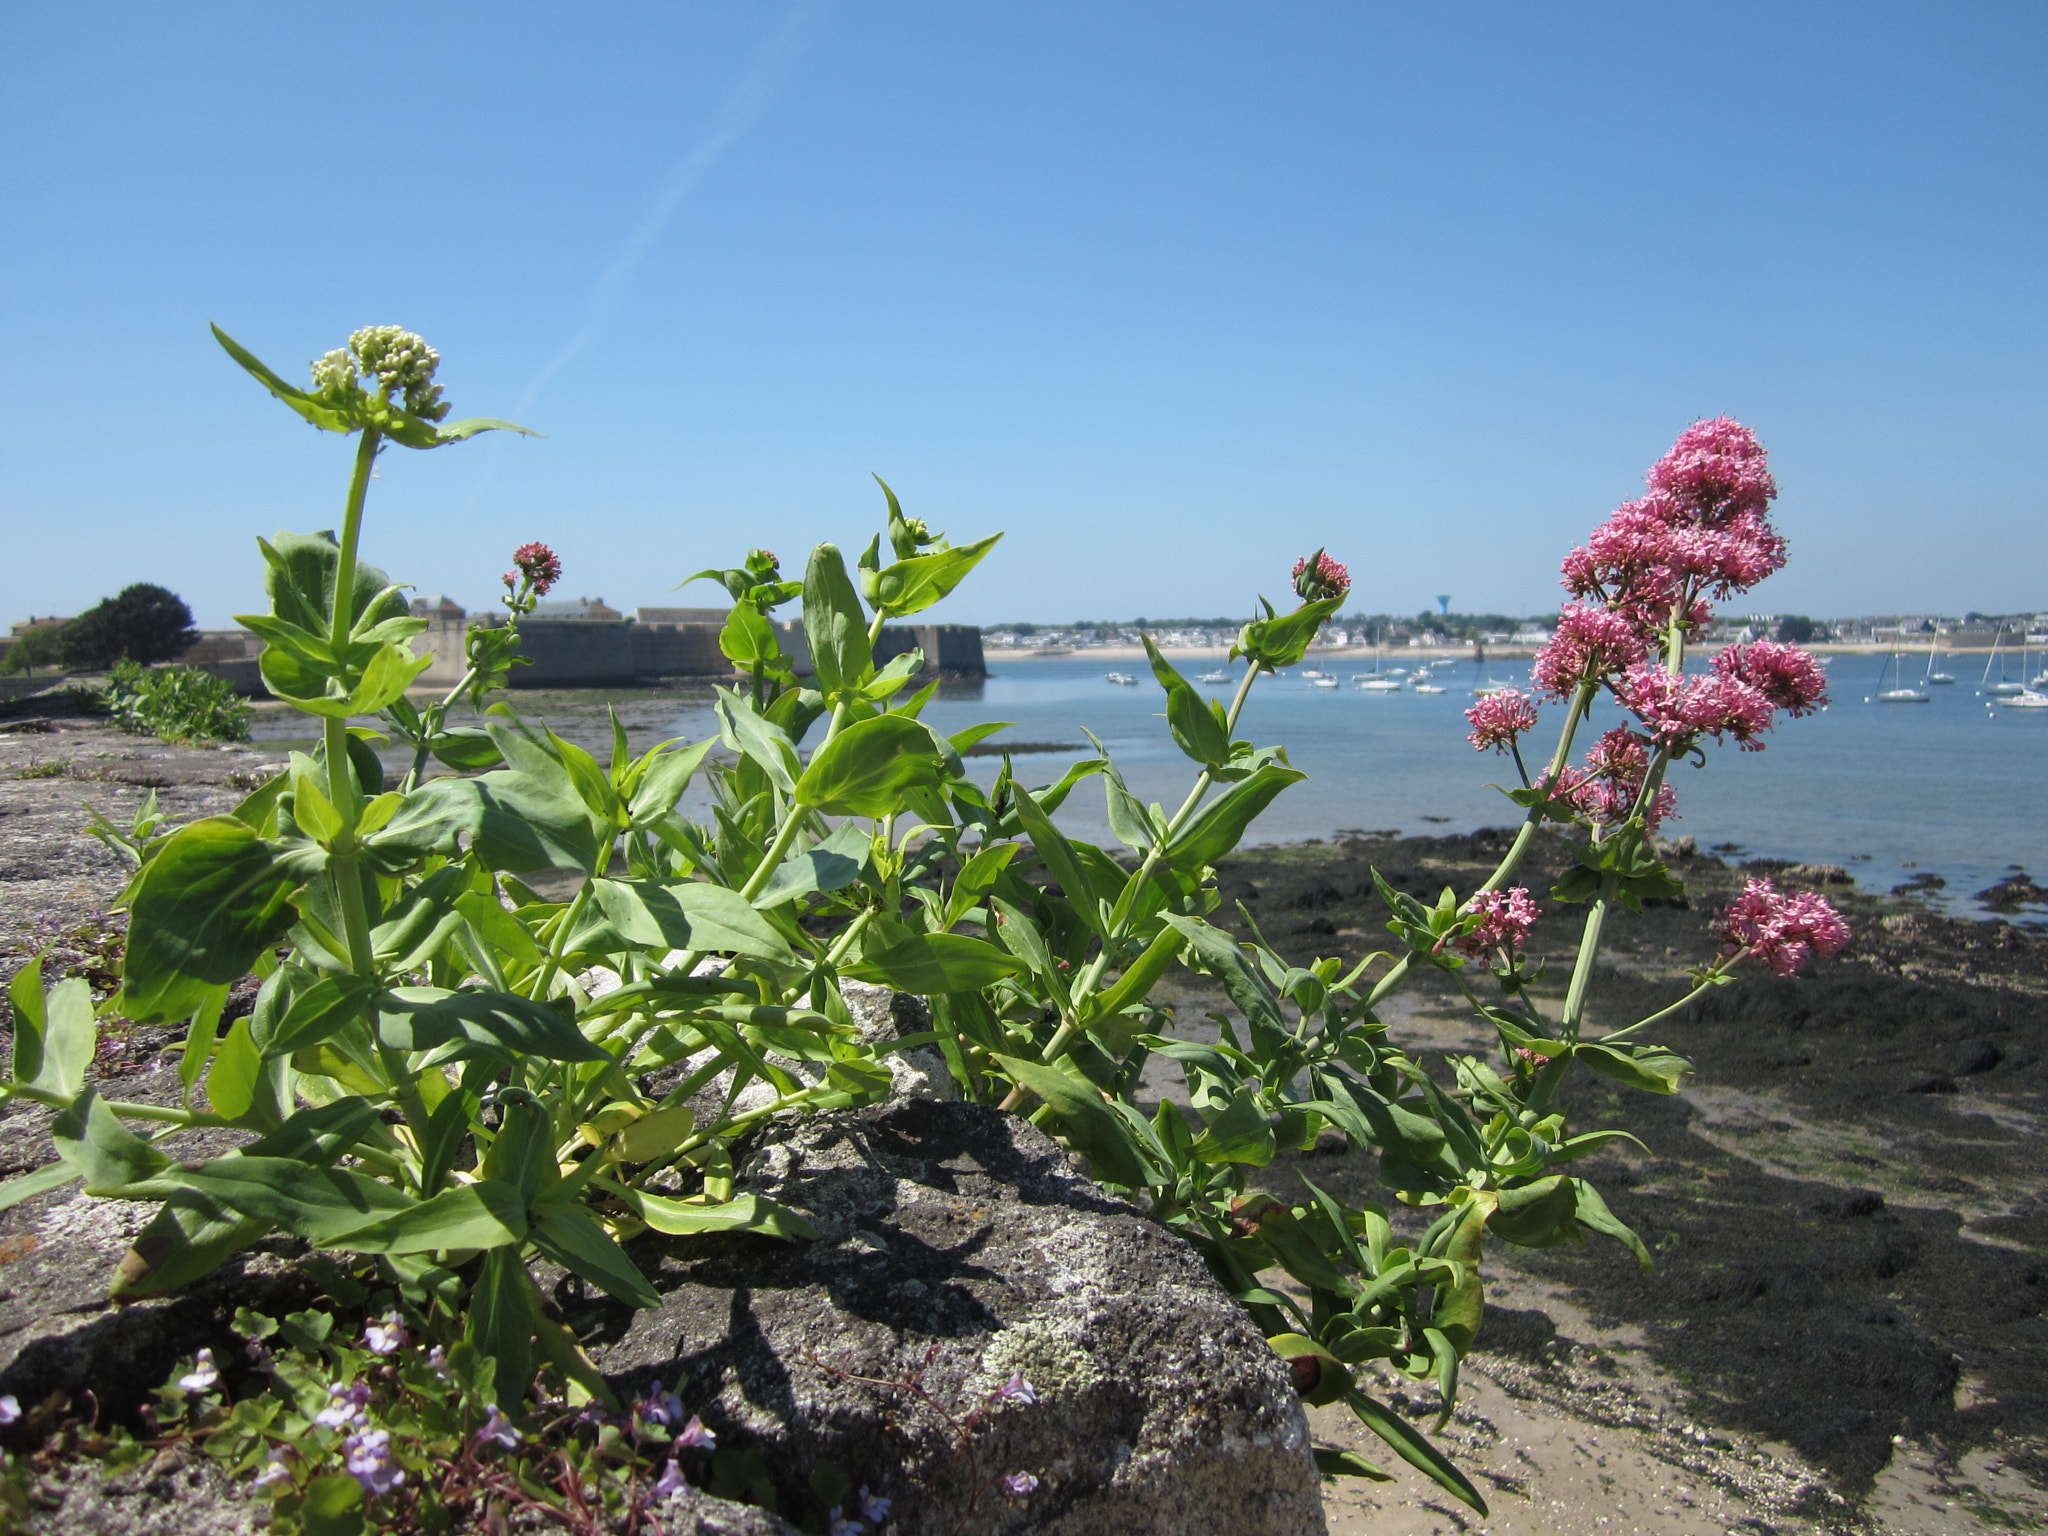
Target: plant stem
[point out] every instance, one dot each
(343, 864)
(1582, 701)
(1091, 978)
(1703, 985)
(560, 942)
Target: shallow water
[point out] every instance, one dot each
(1946, 789)
(1893, 792)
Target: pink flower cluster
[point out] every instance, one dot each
(1590, 642)
(1605, 791)
(1505, 918)
(1702, 532)
(1677, 711)
(538, 564)
(1784, 929)
(1499, 719)
(1789, 677)
(1317, 576)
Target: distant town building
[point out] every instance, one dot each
(573, 608)
(681, 616)
(439, 607)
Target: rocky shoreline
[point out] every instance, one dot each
(1847, 1202)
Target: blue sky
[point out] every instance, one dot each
(1172, 293)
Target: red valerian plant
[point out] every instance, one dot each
(447, 1078)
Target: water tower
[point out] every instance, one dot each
(1443, 605)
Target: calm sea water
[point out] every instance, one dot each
(1894, 792)
(1949, 789)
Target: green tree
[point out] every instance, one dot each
(144, 623)
(38, 647)
(1797, 629)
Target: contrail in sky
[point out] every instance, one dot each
(743, 104)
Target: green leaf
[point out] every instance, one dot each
(470, 426)
(333, 1506)
(1591, 1210)
(321, 415)
(1198, 730)
(191, 1235)
(749, 733)
(748, 637)
(576, 1242)
(661, 782)
(526, 816)
(234, 1083)
(1090, 1126)
(212, 900)
(1138, 978)
(486, 1214)
(1224, 958)
(1282, 641)
(1239, 1133)
(501, 1321)
(1648, 1067)
(914, 584)
(317, 1011)
(421, 1018)
(689, 914)
(832, 865)
(92, 1140)
(40, 1182)
(1216, 831)
(1127, 816)
(744, 1213)
(465, 748)
(55, 1033)
(868, 768)
(931, 964)
(977, 878)
(1408, 1443)
(1059, 856)
(835, 627)
(319, 1204)
(1334, 1462)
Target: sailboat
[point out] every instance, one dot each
(1218, 676)
(1900, 694)
(2026, 698)
(1372, 682)
(1941, 679)
(2000, 689)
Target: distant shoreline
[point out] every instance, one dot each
(1429, 653)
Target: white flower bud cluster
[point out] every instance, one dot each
(335, 374)
(402, 362)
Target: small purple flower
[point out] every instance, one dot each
(1016, 1390)
(841, 1526)
(695, 1436)
(1019, 1485)
(437, 1360)
(497, 1427)
(670, 1480)
(873, 1507)
(660, 1407)
(344, 1405)
(10, 1409)
(370, 1462)
(386, 1336)
(203, 1377)
(274, 1470)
